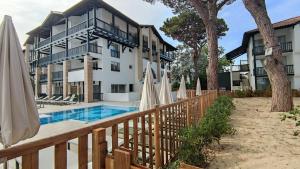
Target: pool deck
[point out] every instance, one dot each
(55, 108)
(53, 129)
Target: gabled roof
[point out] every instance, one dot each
(52, 18)
(83, 5)
(243, 48)
(169, 46)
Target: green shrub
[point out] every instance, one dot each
(196, 138)
(173, 165)
(239, 94)
(175, 86)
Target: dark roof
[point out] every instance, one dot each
(82, 6)
(169, 46)
(29, 40)
(44, 29)
(243, 48)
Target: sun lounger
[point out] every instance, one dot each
(58, 98)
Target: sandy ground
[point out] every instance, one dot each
(262, 141)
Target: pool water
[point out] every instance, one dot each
(89, 114)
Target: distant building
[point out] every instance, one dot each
(94, 51)
(250, 73)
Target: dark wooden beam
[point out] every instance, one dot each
(123, 48)
(67, 45)
(109, 42)
(127, 32)
(88, 33)
(113, 20)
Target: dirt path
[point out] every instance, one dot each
(262, 141)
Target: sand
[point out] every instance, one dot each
(262, 140)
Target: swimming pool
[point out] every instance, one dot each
(86, 115)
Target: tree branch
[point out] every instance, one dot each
(202, 9)
(221, 4)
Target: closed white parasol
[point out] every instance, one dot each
(149, 95)
(181, 94)
(19, 118)
(198, 88)
(165, 95)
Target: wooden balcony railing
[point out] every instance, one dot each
(285, 47)
(260, 71)
(73, 52)
(147, 139)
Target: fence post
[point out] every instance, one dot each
(157, 138)
(99, 148)
(122, 159)
(31, 161)
(188, 112)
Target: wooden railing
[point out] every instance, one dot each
(148, 139)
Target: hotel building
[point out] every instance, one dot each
(94, 51)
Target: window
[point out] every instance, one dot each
(258, 42)
(115, 66)
(145, 41)
(281, 39)
(115, 52)
(131, 88)
(95, 65)
(236, 82)
(118, 88)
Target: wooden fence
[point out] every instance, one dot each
(147, 139)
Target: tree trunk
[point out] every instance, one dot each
(212, 43)
(208, 12)
(282, 99)
(196, 67)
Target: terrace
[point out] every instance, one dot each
(260, 71)
(96, 27)
(76, 52)
(285, 47)
(148, 139)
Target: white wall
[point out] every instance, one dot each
(76, 76)
(106, 76)
(296, 57)
(122, 97)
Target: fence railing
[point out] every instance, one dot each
(285, 47)
(148, 139)
(260, 71)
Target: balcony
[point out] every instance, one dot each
(57, 76)
(99, 28)
(77, 52)
(168, 56)
(260, 71)
(240, 68)
(285, 47)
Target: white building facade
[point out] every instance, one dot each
(250, 73)
(94, 51)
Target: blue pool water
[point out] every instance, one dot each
(89, 114)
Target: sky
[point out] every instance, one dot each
(28, 14)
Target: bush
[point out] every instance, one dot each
(196, 138)
(175, 86)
